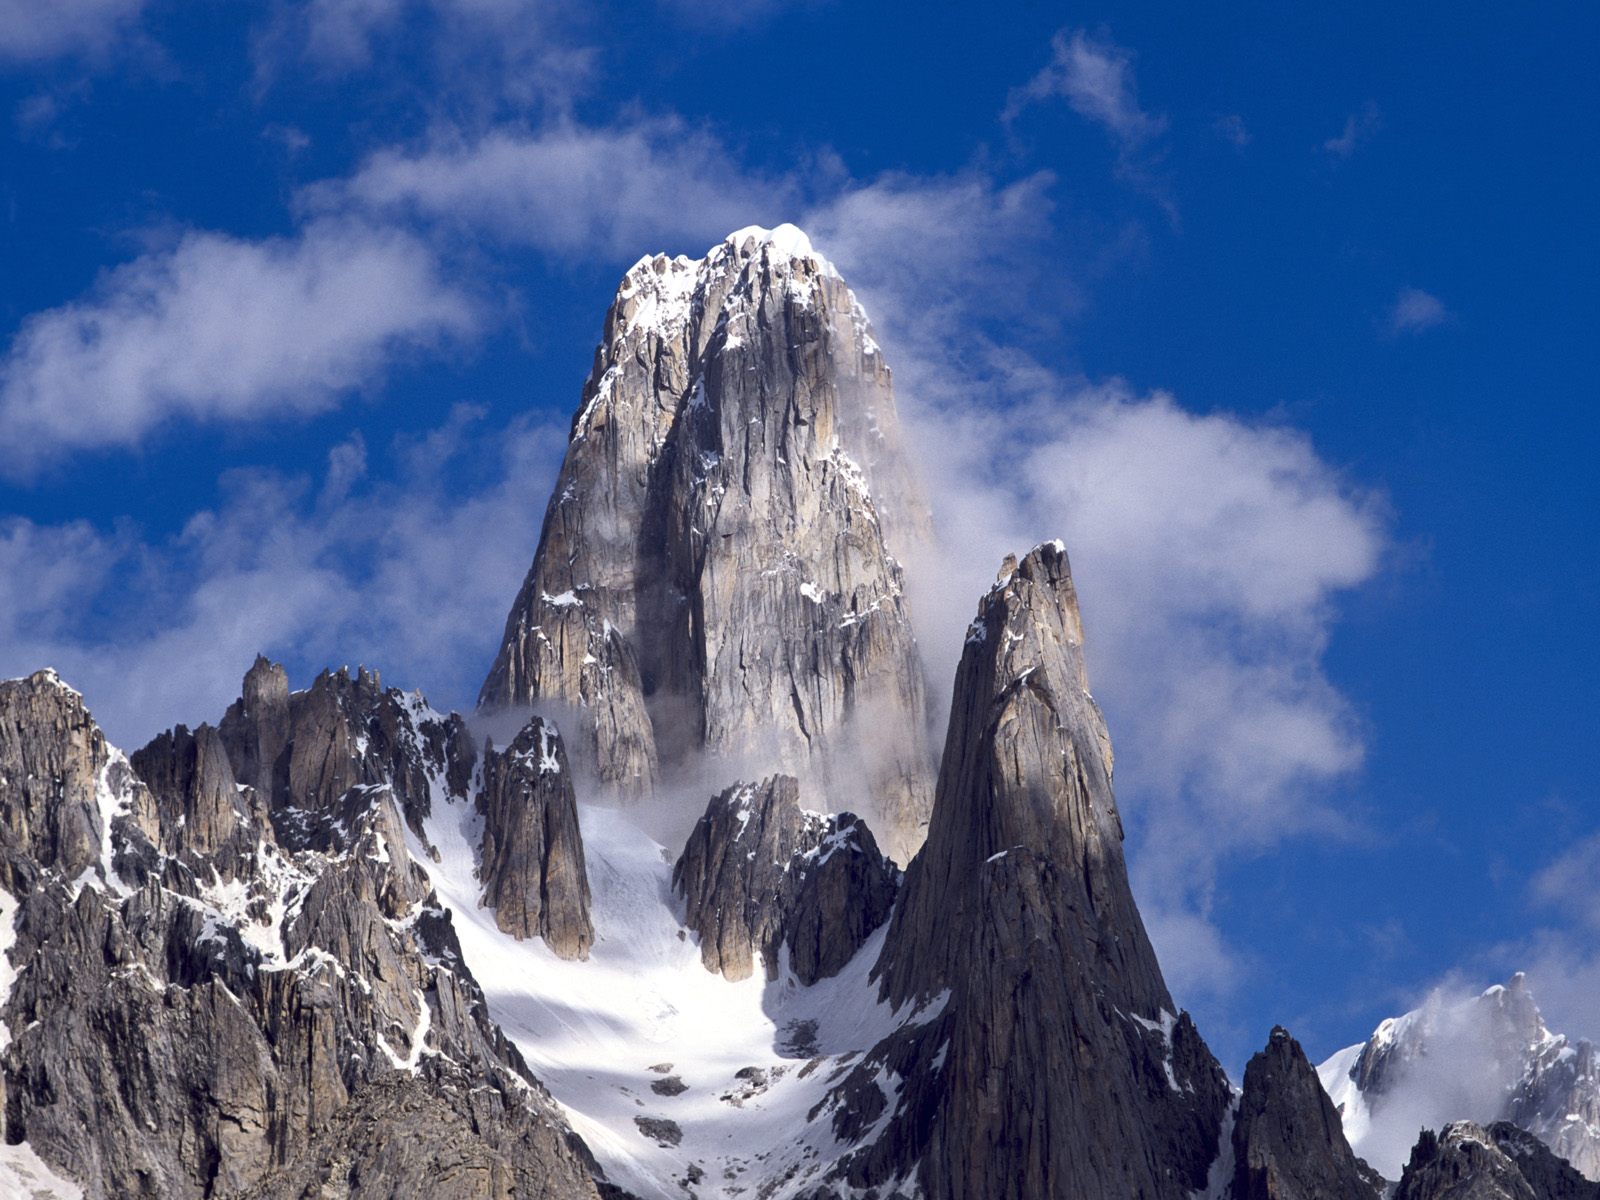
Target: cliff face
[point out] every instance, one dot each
(205, 982)
(1500, 1162)
(1058, 1065)
(532, 862)
(1288, 1143)
(760, 875)
(716, 572)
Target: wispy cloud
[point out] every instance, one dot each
(1095, 77)
(221, 328)
(1571, 882)
(487, 57)
(1232, 129)
(1359, 128)
(411, 574)
(35, 30)
(1415, 311)
(570, 189)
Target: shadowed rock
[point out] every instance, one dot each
(1049, 1061)
(532, 863)
(759, 872)
(194, 1009)
(1469, 1162)
(1288, 1143)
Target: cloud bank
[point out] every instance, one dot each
(219, 328)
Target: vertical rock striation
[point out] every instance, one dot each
(1055, 1064)
(715, 571)
(532, 865)
(759, 873)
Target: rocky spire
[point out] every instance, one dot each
(716, 567)
(532, 858)
(759, 872)
(1058, 1065)
(1026, 771)
(1288, 1143)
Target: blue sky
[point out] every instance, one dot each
(1278, 317)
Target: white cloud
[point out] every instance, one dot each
(412, 576)
(570, 189)
(44, 29)
(1359, 128)
(480, 57)
(1209, 550)
(1571, 882)
(215, 328)
(1415, 311)
(1233, 130)
(1095, 77)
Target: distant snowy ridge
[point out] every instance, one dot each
(1485, 1059)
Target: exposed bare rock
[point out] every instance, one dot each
(204, 813)
(61, 785)
(1056, 1064)
(716, 570)
(1501, 1162)
(398, 1139)
(1550, 1175)
(759, 872)
(195, 1002)
(532, 865)
(847, 890)
(257, 729)
(1288, 1142)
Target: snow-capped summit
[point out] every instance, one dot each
(1485, 1059)
(718, 571)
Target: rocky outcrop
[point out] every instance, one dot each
(398, 1139)
(1501, 1162)
(532, 861)
(206, 815)
(1288, 1143)
(715, 572)
(199, 996)
(1057, 1064)
(759, 873)
(1487, 1058)
(61, 784)
(1549, 1175)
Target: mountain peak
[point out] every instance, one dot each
(718, 571)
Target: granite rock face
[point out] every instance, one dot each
(716, 569)
(759, 873)
(204, 984)
(1288, 1142)
(1500, 1162)
(1052, 1061)
(532, 864)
